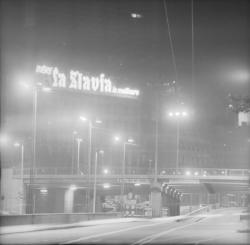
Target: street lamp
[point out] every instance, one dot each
(106, 186)
(74, 133)
(105, 171)
(34, 89)
(178, 115)
(17, 144)
(90, 128)
(95, 171)
(78, 140)
(130, 141)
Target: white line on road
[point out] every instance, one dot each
(210, 239)
(155, 236)
(113, 232)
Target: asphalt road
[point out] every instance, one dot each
(218, 226)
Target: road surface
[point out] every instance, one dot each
(218, 226)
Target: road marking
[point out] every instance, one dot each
(113, 232)
(210, 239)
(155, 236)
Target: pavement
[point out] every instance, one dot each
(39, 227)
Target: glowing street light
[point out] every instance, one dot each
(136, 15)
(84, 119)
(130, 140)
(4, 139)
(46, 89)
(105, 171)
(106, 186)
(44, 191)
(117, 138)
(73, 187)
(98, 121)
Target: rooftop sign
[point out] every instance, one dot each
(78, 81)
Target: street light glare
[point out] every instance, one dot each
(170, 114)
(184, 113)
(177, 113)
(46, 89)
(25, 85)
(106, 186)
(116, 138)
(16, 144)
(4, 139)
(79, 139)
(44, 191)
(73, 187)
(98, 121)
(130, 140)
(136, 15)
(105, 171)
(84, 119)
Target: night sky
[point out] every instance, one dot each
(100, 36)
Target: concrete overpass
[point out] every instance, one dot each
(53, 186)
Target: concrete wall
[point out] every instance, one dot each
(7, 220)
(12, 193)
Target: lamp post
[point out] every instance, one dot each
(78, 140)
(34, 90)
(95, 172)
(128, 142)
(90, 128)
(178, 115)
(74, 133)
(17, 144)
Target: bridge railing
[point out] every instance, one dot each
(206, 172)
(196, 172)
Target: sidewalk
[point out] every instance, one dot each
(4, 230)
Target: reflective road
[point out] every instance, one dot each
(218, 226)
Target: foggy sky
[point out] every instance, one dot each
(100, 36)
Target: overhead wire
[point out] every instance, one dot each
(170, 40)
(192, 62)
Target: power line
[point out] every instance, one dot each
(170, 40)
(192, 65)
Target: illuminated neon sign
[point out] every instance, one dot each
(80, 82)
